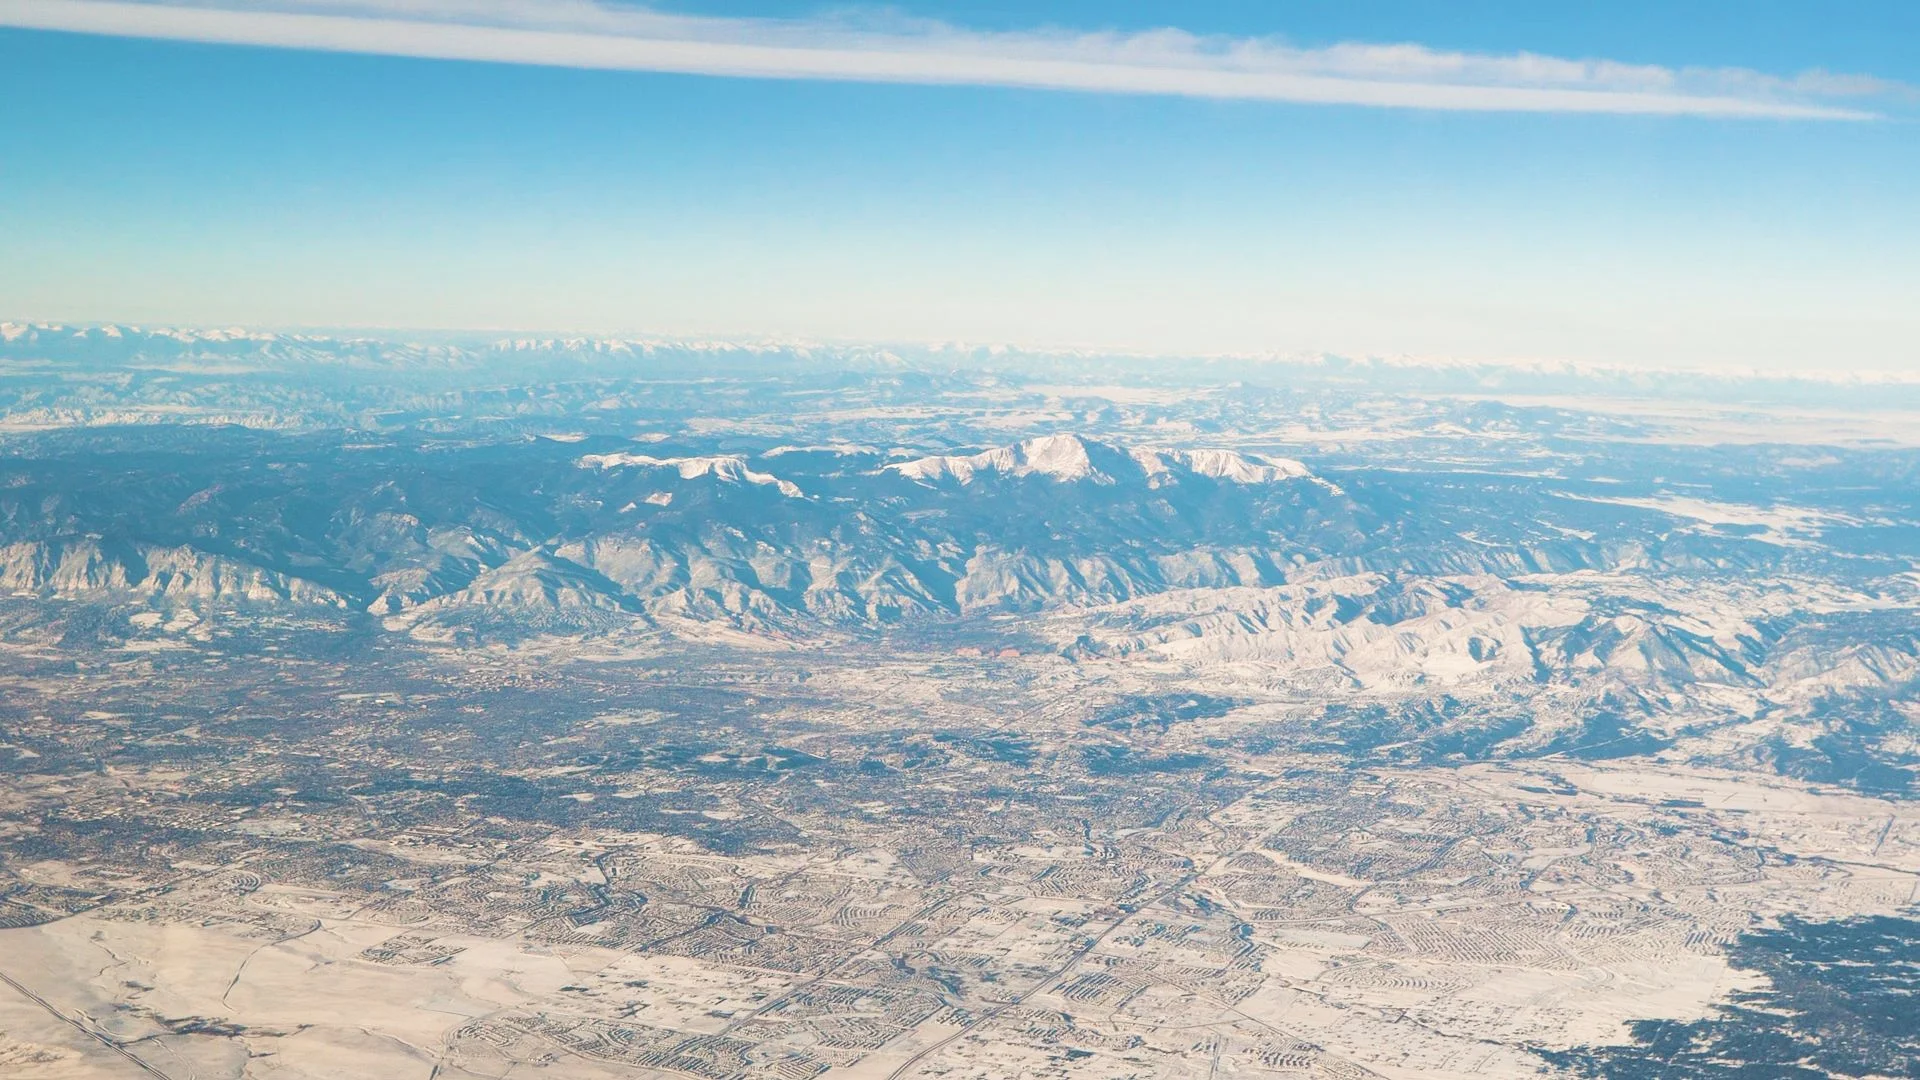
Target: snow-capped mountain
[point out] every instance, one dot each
(1071, 458)
(1410, 560)
(731, 468)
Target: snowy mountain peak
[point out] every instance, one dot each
(1062, 458)
(1069, 458)
(1226, 465)
(729, 468)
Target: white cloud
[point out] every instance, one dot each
(583, 34)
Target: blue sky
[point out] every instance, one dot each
(1699, 199)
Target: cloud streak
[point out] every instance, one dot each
(583, 34)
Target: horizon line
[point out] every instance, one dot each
(482, 338)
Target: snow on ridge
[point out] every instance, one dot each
(1227, 465)
(1062, 458)
(731, 468)
(1066, 458)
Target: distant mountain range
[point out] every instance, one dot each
(325, 355)
(1561, 579)
(840, 537)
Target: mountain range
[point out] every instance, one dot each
(1616, 579)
